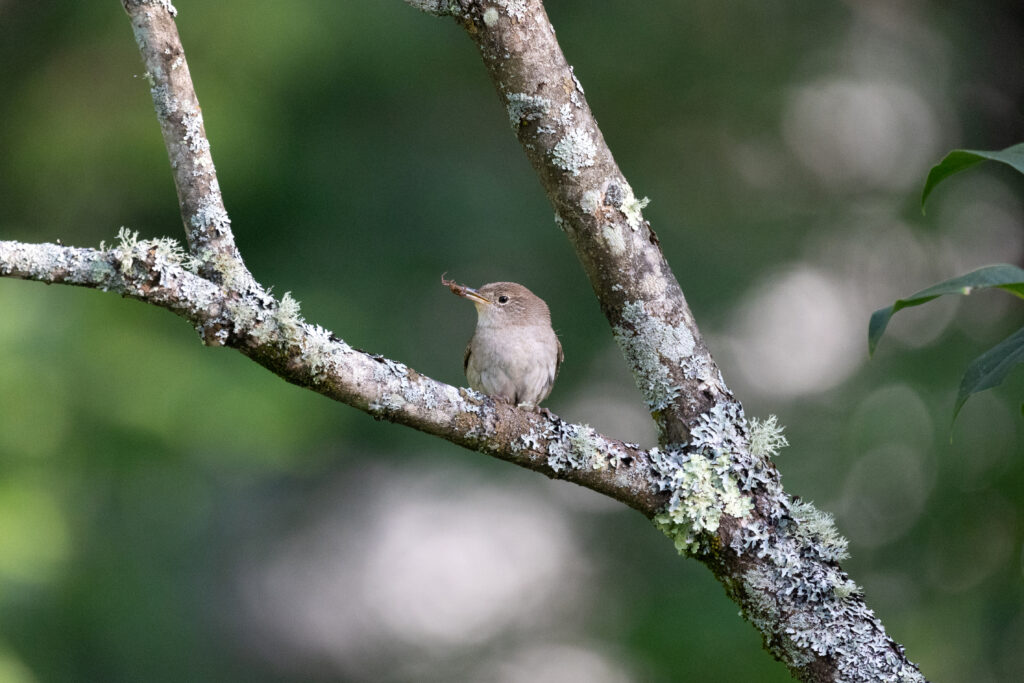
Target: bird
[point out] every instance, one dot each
(514, 354)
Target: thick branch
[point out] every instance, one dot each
(207, 226)
(717, 495)
(778, 559)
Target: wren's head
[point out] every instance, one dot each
(507, 304)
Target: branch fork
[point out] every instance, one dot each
(710, 485)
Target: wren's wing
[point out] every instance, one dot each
(561, 357)
(469, 352)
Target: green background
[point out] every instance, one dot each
(171, 512)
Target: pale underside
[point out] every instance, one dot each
(518, 366)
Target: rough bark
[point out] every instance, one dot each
(207, 225)
(274, 335)
(777, 558)
(710, 486)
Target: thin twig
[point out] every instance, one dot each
(207, 225)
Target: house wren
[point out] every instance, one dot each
(514, 354)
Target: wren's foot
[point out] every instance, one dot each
(547, 413)
(533, 408)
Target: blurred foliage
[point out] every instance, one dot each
(962, 159)
(990, 368)
(362, 153)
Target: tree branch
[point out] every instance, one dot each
(777, 558)
(207, 225)
(151, 271)
(597, 209)
(711, 487)
(273, 334)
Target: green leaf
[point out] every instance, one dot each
(990, 368)
(962, 159)
(1002, 276)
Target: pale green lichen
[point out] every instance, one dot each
(288, 315)
(234, 275)
(575, 151)
(209, 217)
(245, 320)
(650, 345)
(318, 352)
(632, 209)
(412, 390)
(701, 479)
(817, 528)
(565, 115)
(169, 251)
(613, 238)
(591, 201)
(127, 248)
(398, 390)
(571, 446)
(797, 595)
(523, 107)
(702, 491)
(258, 317)
(162, 255)
(514, 8)
(195, 137)
(766, 438)
(794, 591)
(164, 103)
(491, 16)
(762, 603)
(846, 589)
(42, 261)
(591, 450)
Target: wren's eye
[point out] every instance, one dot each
(502, 299)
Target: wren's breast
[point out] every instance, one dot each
(517, 364)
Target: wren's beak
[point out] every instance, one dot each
(474, 296)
